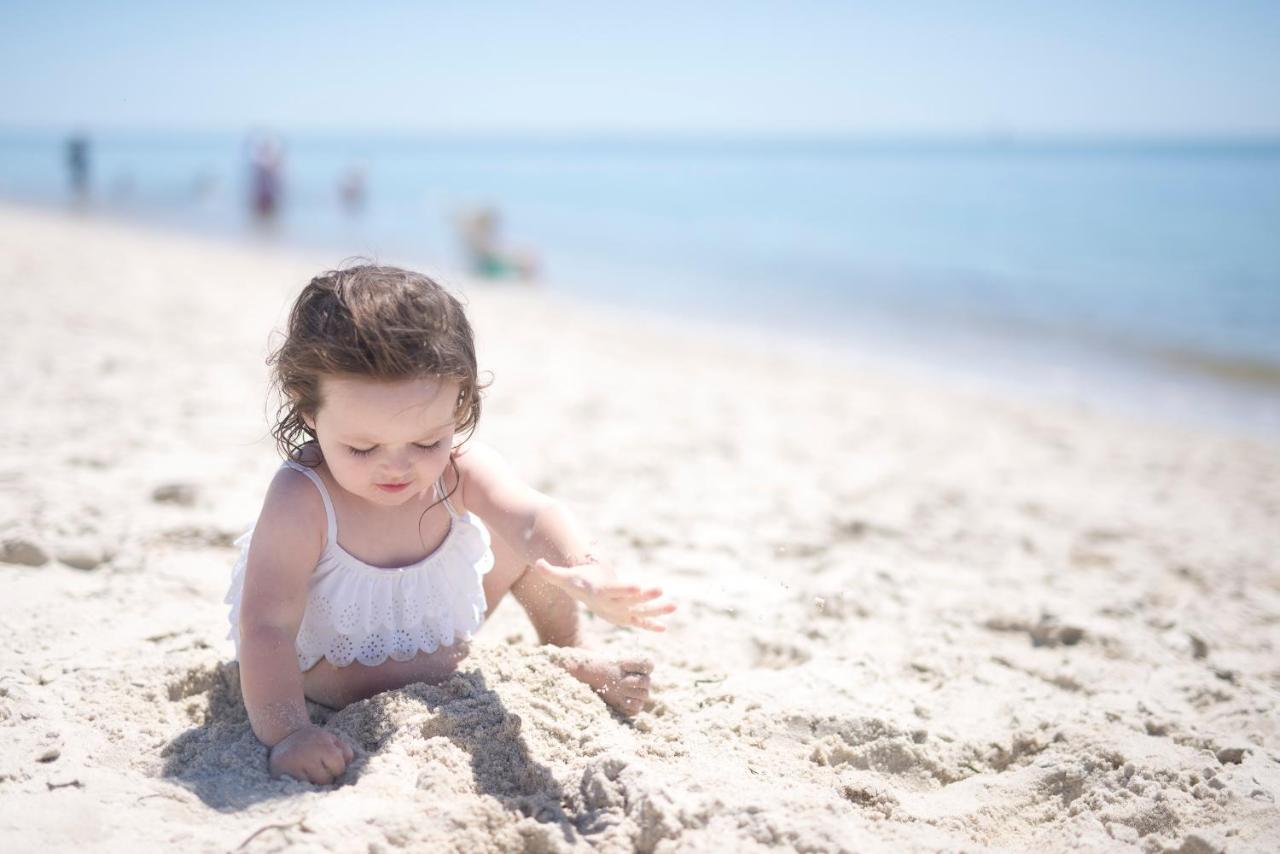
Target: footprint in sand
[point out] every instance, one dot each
(83, 553)
(22, 551)
(181, 494)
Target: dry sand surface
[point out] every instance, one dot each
(913, 618)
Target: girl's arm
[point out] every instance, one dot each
(535, 525)
(549, 538)
(287, 542)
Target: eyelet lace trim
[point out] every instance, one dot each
(359, 612)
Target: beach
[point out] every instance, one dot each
(913, 617)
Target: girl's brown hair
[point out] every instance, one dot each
(383, 323)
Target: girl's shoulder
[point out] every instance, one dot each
(293, 507)
(288, 540)
(483, 475)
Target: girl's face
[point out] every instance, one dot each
(385, 442)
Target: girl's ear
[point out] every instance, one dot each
(309, 421)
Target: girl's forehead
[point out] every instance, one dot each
(358, 403)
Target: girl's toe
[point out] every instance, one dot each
(637, 682)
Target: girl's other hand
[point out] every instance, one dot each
(620, 603)
(311, 754)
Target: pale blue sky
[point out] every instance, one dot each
(1081, 67)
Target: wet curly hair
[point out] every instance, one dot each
(383, 323)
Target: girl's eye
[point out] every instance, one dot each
(364, 452)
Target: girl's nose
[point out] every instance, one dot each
(399, 463)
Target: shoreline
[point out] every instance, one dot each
(1146, 384)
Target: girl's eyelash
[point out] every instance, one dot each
(364, 452)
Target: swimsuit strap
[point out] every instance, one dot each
(324, 495)
(440, 492)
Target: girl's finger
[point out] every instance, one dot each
(620, 591)
(320, 777)
(653, 610)
(334, 765)
(636, 683)
(651, 625)
(631, 593)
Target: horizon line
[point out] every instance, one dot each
(994, 135)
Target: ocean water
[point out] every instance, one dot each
(1145, 272)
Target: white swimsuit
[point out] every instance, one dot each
(364, 613)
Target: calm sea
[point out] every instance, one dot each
(1145, 272)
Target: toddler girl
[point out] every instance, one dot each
(383, 543)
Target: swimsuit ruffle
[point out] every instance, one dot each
(358, 612)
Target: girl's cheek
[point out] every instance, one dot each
(348, 469)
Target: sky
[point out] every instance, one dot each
(1080, 68)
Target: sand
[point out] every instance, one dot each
(914, 617)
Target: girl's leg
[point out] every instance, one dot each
(337, 687)
(623, 682)
(552, 612)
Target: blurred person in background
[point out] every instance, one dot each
(353, 188)
(78, 164)
(266, 168)
(486, 257)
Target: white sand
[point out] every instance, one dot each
(913, 619)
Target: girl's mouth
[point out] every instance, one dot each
(393, 487)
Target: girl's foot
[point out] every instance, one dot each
(622, 682)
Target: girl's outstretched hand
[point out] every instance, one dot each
(620, 603)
